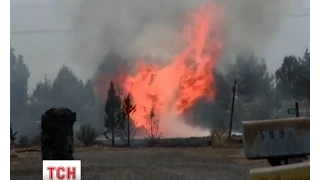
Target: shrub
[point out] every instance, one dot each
(154, 135)
(87, 135)
(218, 137)
(153, 141)
(218, 132)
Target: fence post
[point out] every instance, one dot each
(297, 109)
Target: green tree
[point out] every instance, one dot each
(66, 89)
(305, 74)
(91, 105)
(69, 91)
(19, 75)
(253, 78)
(42, 91)
(40, 101)
(293, 77)
(255, 95)
(89, 95)
(112, 110)
(129, 130)
(287, 77)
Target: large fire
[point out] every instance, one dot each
(176, 87)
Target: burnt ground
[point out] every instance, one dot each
(147, 164)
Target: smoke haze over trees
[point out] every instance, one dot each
(105, 38)
(147, 27)
(260, 94)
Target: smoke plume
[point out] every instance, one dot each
(148, 28)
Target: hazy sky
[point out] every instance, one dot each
(45, 53)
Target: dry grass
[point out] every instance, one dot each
(26, 149)
(146, 163)
(224, 142)
(95, 148)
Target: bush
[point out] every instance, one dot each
(23, 141)
(220, 139)
(87, 135)
(153, 141)
(218, 133)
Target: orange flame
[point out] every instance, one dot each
(177, 87)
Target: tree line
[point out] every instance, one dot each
(260, 95)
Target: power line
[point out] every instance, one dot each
(299, 15)
(49, 31)
(40, 31)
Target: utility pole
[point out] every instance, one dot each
(232, 106)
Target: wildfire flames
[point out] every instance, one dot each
(176, 87)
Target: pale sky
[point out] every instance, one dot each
(45, 53)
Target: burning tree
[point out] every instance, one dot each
(128, 127)
(112, 110)
(153, 132)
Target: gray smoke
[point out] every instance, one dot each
(142, 28)
(130, 28)
(251, 23)
(149, 27)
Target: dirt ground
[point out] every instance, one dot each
(147, 164)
